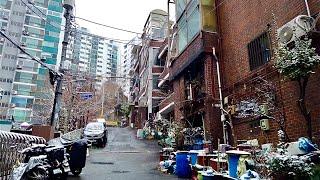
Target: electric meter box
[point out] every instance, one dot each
(264, 124)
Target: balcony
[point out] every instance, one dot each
(195, 50)
(157, 70)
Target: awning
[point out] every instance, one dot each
(167, 109)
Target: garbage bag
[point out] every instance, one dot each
(250, 175)
(306, 145)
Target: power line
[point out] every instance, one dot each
(28, 54)
(79, 31)
(100, 24)
(38, 14)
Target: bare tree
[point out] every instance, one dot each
(44, 98)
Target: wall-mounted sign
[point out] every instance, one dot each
(86, 95)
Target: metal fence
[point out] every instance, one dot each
(73, 135)
(10, 144)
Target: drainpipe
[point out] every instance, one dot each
(223, 117)
(168, 33)
(307, 7)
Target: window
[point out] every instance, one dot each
(180, 6)
(259, 51)
(32, 43)
(33, 32)
(41, 3)
(50, 44)
(209, 20)
(155, 81)
(188, 22)
(25, 77)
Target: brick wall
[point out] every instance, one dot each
(141, 117)
(178, 88)
(157, 69)
(213, 123)
(241, 22)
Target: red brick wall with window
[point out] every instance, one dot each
(242, 21)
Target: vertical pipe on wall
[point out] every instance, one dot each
(307, 7)
(168, 34)
(223, 118)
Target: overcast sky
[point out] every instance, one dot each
(126, 14)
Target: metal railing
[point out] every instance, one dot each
(10, 144)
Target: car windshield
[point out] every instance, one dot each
(94, 126)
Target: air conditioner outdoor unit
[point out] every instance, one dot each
(31, 1)
(12, 105)
(23, 44)
(19, 66)
(26, 33)
(2, 39)
(296, 28)
(5, 17)
(29, 11)
(14, 92)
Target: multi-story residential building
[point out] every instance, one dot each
(189, 78)
(244, 46)
(248, 42)
(36, 25)
(92, 54)
(148, 68)
(128, 61)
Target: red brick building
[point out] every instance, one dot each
(242, 23)
(243, 34)
(190, 76)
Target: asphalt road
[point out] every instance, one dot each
(124, 157)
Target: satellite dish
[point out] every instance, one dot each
(286, 34)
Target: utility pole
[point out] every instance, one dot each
(68, 6)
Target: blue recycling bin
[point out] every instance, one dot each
(193, 157)
(183, 169)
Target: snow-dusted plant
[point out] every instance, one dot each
(282, 164)
(297, 64)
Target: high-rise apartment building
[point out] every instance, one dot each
(92, 54)
(35, 25)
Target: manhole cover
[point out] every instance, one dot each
(104, 163)
(119, 172)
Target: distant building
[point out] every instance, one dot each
(37, 28)
(128, 61)
(92, 54)
(148, 68)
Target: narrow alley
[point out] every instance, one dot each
(125, 157)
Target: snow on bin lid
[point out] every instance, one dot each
(238, 152)
(24, 125)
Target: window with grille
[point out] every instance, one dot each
(259, 51)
